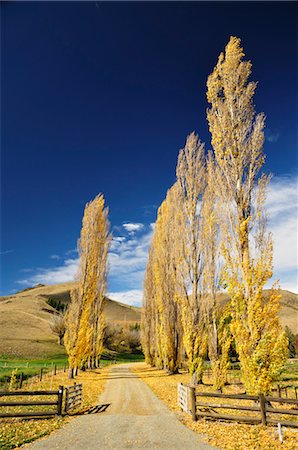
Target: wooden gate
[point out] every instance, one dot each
(73, 397)
(33, 399)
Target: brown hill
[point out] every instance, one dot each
(26, 316)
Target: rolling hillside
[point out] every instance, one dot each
(25, 319)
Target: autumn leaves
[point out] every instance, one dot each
(84, 318)
(211, 235)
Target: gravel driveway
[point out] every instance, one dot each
(135, 419)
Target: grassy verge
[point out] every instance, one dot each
(227, 436)
(129, 357)
(31, 367)
(15, 432)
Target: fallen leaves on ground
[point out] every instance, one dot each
(224, 435)
(15, 432)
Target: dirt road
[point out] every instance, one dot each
(134, 419)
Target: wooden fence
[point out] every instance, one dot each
(57, 402)
(73, 397)
(22, 378)
(262, 406)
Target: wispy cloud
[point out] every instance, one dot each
(60, 274)
(282, 207)
(127, 261)
(57, 257)
(149, 210)
(272, 135)
(128, 258)
(129, 249)
(6, 252)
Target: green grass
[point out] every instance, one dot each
(31, 367)
(129, 357)
(290, 373)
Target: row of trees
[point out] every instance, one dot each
(211, 234)
(84, 320)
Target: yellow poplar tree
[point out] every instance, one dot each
(215, 317)
(85, 320)
(149, 314)
(161, 315)
(166, 237)
(191, 180)
(237, 140)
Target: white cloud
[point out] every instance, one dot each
(127, 261)
(283, 209)
(128, 255)
(55, 257)
(133, 227)
(60, 274)
(132, 297)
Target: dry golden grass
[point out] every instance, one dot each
(25, 320)
(15, 432)
(228, 436)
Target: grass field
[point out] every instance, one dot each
(31, 367)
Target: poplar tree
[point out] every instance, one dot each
(161, 317)
(85, 320)
(237, 140)
(165, 240)
(149, 314)
(215, 316)
(191, 180)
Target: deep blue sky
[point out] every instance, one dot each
(99, 97)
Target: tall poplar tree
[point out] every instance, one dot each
(161, 316)
(191, 180)
(237, 140)
(215, 316)
(85, 320)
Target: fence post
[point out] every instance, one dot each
(41, 371)
(263, 409)
(21, 379)
(60, 401)
(192, 399)
(66, 400)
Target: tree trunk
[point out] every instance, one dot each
(70, 373)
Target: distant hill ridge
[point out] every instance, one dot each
(25, 319)
(26, 315)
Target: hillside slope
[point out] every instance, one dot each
(26, 316)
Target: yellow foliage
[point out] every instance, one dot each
(237, 139)
(84, 319)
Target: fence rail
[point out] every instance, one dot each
(57, 403)
(262, 405)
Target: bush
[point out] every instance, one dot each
(122, 339)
